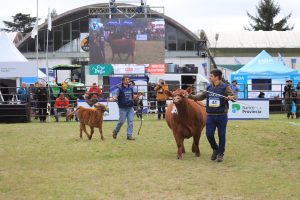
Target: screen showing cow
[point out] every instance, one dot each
(126, 41)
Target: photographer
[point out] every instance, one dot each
(161, 98)
(288, 95)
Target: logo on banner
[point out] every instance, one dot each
(235, 107)
(101, 69)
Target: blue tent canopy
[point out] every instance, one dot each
(264, 65)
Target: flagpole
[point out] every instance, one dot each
(47, 64)
(37, 37)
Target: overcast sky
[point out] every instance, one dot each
(210, 15)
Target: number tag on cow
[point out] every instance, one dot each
(214, 103)
(174, 110)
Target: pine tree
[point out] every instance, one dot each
(267, 10)
(21, 23)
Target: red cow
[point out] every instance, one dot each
(92, 117)
(126, 46)
(186, 118)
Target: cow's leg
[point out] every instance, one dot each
(80, 133)
(101, 134)
(92, 132)
(195, 146)
(84, 129)
(180, 147)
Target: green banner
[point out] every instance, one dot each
(101, 69)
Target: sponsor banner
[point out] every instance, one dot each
(113, 113)
(249, 109)
(18, 69)
(156, 69)
(141, 37)
(84, 42)
(100, 69)
(128, 69)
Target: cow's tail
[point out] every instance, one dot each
(72, 113)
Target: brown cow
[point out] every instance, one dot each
(126, 46)
(92, 117)
(186, 118)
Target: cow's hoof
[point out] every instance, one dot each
(179, 157)
(197, 154)
(102, 139)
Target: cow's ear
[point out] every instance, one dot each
(189, 90)
(168, 93)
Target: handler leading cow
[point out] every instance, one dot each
(217, 95)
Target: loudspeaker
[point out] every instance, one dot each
(14, 113)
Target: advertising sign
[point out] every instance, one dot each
(128, 69)
(249, 109)
(101, 69)
(113, 113)
(156, 69)
(18, 69)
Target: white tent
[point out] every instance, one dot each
(8, 51)
(13, 64)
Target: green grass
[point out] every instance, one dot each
(49, 161)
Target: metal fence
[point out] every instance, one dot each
(9, 96)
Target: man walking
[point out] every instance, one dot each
(217, 95)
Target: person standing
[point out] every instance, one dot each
(124, 95)
(297, 100)
(217, 95)
(42, 101)
(235, 88)
(288, 98)
(161, 98)
(23, 93)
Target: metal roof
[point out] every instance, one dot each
(254, 39)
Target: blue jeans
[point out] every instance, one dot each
(123, 114)
(213, 122)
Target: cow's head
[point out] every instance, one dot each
(178, 95)
(101, 107)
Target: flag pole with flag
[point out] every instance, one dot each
(35, 32)
(48, 29)
(47, 64)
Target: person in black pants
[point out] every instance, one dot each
(42, 101)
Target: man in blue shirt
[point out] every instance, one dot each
(217, 95)
(235, 89)
(124, 95)
(23, 94)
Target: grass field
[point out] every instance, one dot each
(49, 161)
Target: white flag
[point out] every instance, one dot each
(281, 59)
(49, 20)
(34, 31)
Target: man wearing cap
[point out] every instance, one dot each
(288, 98)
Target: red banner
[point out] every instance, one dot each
(156, 69)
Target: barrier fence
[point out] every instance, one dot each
(12, 106)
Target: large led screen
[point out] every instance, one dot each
(126, 41)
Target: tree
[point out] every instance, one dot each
(267, 10)
(21, 23)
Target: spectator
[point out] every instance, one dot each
(42, 101)
(235, 88)
(297, 100)
(23, 93)
(288, 98)
(61, 105)
(161, 98)
(95, 91)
